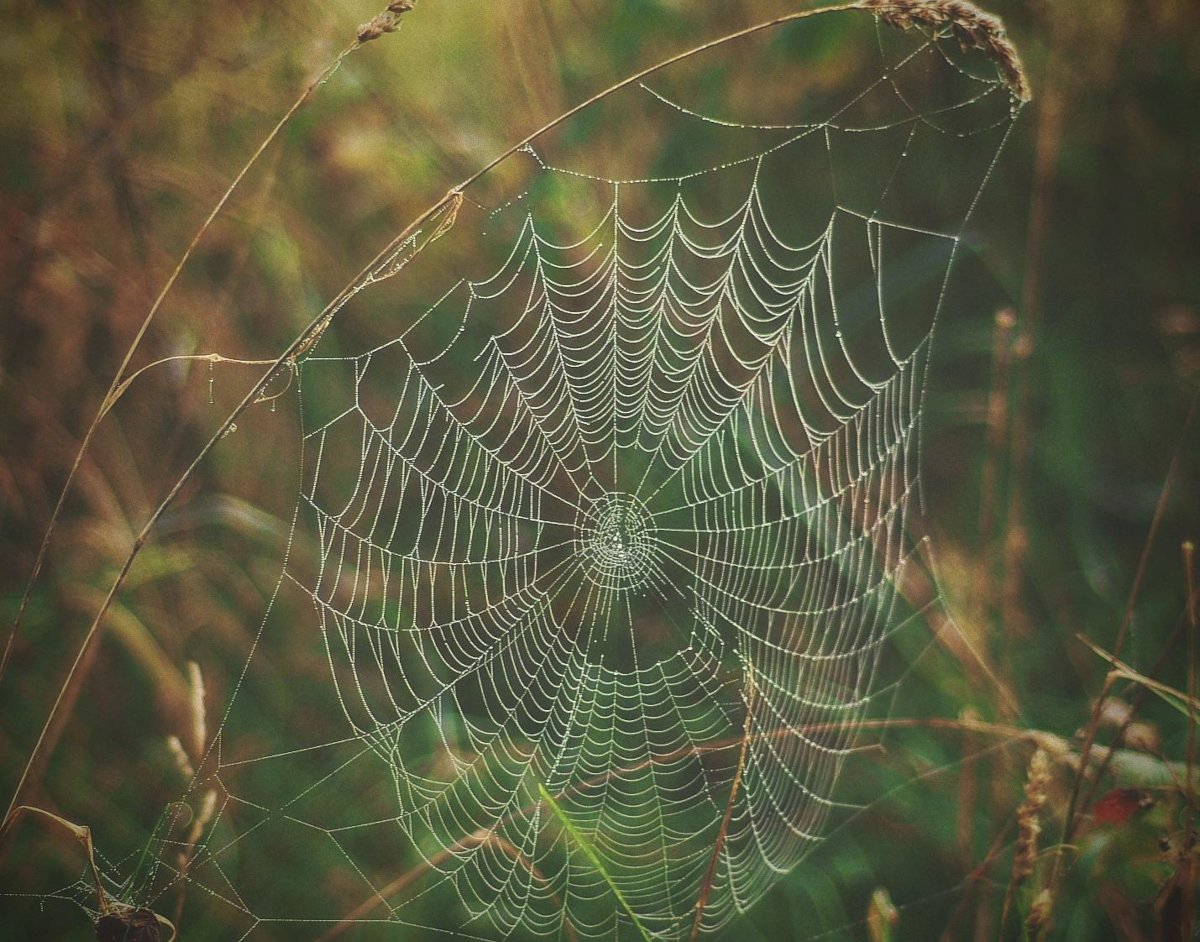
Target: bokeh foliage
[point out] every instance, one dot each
(1047, 441)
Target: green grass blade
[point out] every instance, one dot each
(581, 841)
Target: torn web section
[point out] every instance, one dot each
(606, 493)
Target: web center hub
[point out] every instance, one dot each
(616, 540)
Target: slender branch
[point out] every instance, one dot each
(999, 418)
(178, 358)
(83, 834)
(1185, 703)
(1186, 867)
(1189, 571)
(1137, 694)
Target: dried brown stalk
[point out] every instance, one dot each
(1127, 621)
(480, 838)
(114, 916)
(1029, 827)
(83, 834)
(1089, 741)
(719, 845)
(997, 428)
(977, 880)
(1189, 575)
(1181, 898)
(1013, 614)
(386, 22)
(968, 789)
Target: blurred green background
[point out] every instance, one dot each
(1058, 401)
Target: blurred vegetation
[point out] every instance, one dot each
(1058, 418)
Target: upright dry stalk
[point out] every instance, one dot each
(1015, 549)
(1184, 892)
(1193, 621)
(199, 727)
(968, 790)
(1029, 827)
(1029, 823)
(710, 875)
(997, 428)
(1013, 613)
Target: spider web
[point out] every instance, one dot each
(604, 542)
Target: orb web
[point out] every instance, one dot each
(612, 506)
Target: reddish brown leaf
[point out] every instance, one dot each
(1121, 804)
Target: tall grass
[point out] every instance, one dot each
(1064, 490)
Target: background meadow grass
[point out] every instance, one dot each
(1049, 430)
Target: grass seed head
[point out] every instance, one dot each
(973, 28)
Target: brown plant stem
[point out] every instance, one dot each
(1014, 617)
(406, 879)
(1136, 694)
(719, 845)
(968, 791)
(998, 418)
(1186, 865)
(975, 878)
(1189, 571)
(83, 834)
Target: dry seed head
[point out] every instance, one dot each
(182, 762)
(1143, 737)
(386, 22)
(1029, 824)
(973, 28)
(196, 704)
(882, 915)
(1040, 912)
(208, 804)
